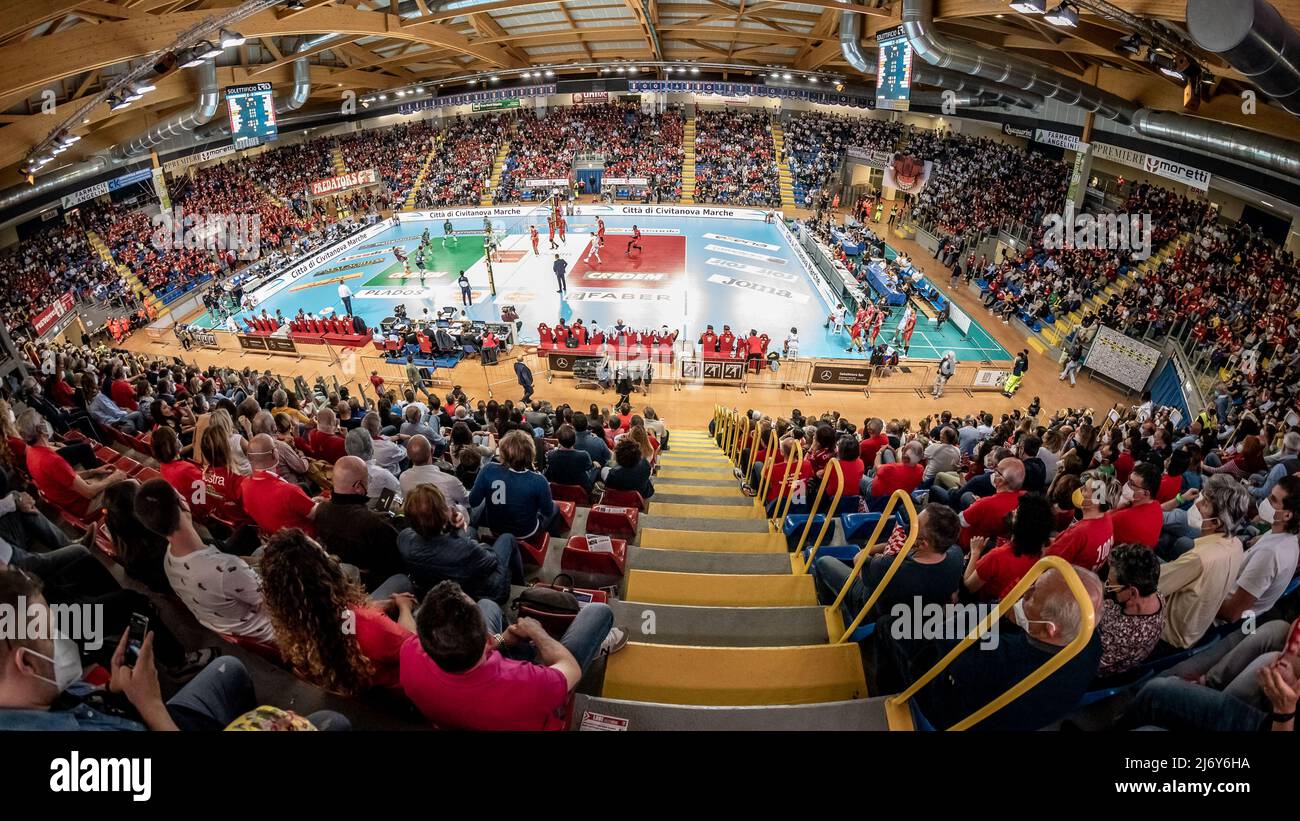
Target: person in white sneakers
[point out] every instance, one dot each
(593, 249)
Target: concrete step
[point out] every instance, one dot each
(721, 626)
(697, 561)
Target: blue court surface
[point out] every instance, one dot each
(695, 267)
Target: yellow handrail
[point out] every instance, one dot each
(793, 464)
(894, 499)
(812, 511)
(894, 566)
(765, 475)
(1088, 619)
(741, 432)
(730, 431)
(753, 448)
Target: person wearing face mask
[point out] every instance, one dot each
(1196, 584)
(41, 686)
(1139, 518)
(1088, 541)
(1272, 559)
(1043, 621)
(1133, 613)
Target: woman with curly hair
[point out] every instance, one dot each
(325, 627)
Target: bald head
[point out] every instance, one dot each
(1055, 615)
(1012, 471)
(326, 421)
(351, 475)
(417, 447)
(261, 452)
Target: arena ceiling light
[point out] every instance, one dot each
(145, 87)
(1063, 15)
(1030, 6)
(207, 50)
(117, 103)
(230, 38)
(190, 58)
(1130, 45)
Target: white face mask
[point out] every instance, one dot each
(66, 661)
(1021, 619)
(1266, 511)
(1126, 495)
(1194, 518)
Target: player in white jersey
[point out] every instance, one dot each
(594, 248)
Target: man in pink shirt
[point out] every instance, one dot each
(465, 669)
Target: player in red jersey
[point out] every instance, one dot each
(550, 227)
(532, 231)
(635, 242)
(563, 224)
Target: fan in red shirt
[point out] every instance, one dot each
(1140, 517)
(988, 516)
(902, 475)
(324, 439)
(873, 441)
(1088, 541)
(991, 575)
(851, 467)
(269, 500)
(122, 392)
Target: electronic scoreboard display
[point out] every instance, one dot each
(252, 112)
(893, 70)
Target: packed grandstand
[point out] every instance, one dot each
(388, 536)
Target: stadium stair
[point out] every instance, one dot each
(717, 619)
(725, 631)
(133, 282)
(409, 203)
(783, 171)
(498, 167)
(271, 195)
(340, 167)
(688, 161)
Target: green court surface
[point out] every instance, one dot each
(441, 264)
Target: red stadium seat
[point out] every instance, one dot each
(612, 521)
(567, 510)
(146, 474)
(622, 498)
(534, 551)
(106, 454)
(577, 558)
(570, 493)
(128, 466)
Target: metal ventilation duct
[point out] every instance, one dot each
(22, 193)
(1254, 38)
(174, 126)
(851, 47)
(1220, 139)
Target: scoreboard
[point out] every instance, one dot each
(893, 70)
(252, 112)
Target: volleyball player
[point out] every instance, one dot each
(635, 242)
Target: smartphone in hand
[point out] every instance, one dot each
(136, 631)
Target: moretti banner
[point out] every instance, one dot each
(743, 89)
(907, 174)
(200, 157)
(352, 179)
(43, 321)
(478, 97)
(1170, 170)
